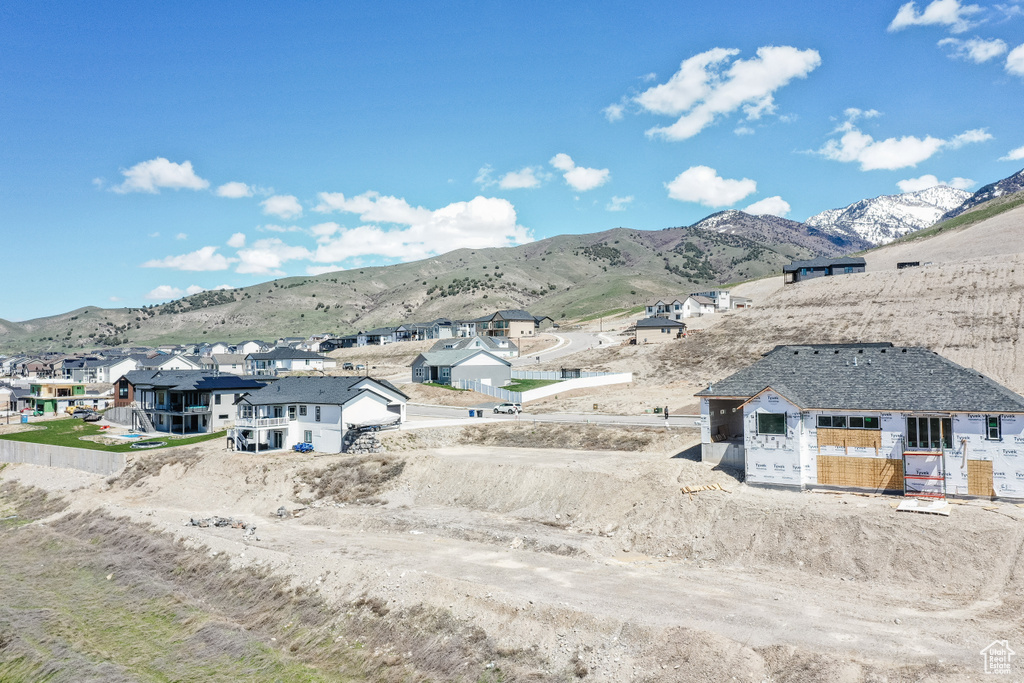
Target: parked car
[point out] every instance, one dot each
(77, 411)
(360, 367)
(347, 366)
(92, 417)
(508, 408)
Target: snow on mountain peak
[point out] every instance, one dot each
(883, 219)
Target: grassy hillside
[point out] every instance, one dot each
(565, 277)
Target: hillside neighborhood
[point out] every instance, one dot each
(512, 342)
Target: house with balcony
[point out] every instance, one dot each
(286, 359)
(673, 310)
(323, 411)
(53, 397)
(871, 416)
(514, 323)
(798, 271)
(377, 337)
(184, 401)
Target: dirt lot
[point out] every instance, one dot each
(596, 562)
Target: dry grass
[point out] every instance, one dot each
(150, 464)
(93, 598)
(354, 479)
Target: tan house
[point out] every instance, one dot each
(656, 330)
(512, 323)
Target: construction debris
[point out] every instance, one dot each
(206, 522)
(690, 490)
(932, 507)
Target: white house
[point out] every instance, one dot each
(696, 306)
(322, 411)
(672, 310)
(163, 362)
(285, 359)
(251, 346)
(721, 297)
(454, 366)
(502, 347)
(866, 416)
(229, 363)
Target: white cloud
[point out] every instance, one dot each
(743, 130)
(613, 112)
(154, 235)
(284, 206)
(1013, 155)
(483, 179)
(320, 270)
(976, 50)
(181, 236)
(1015, 61)
(770, 206)
(115, 299)
(580, 178)
(270, 227)
(891, 153)
(927, 181)
(163, 293)
(703, 89)
(266, 256)
(525, 178)
(237, 241)
(477, 224)
(324, 230)
(703, 185)
(222, 287)
(619, 203)
(194, 289)
(949, 13)
(234, 190)
(150, 176)
(206, 258)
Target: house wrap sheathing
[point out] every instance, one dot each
(868, 416)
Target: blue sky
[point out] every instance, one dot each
(151, 150)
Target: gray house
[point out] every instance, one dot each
(452, 366)
(866, 416)
(502, 347)
(797, 271)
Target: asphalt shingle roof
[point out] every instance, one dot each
(325, 390)
(190, 380)
(460, 343)
(281, 353)
(658, 322)
(448, 357)
(824, 262)
(869, 377)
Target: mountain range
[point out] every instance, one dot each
(566, 277)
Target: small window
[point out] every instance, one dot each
(839, 421)
(302, 410)
(307, 436)
(856, 422)
(222, 417)
(824, 420)
(871, 423)
(317, 418)
(995, 433)
(291, 412)
(216, 399)
(771, 423)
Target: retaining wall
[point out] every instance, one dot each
(97, 462)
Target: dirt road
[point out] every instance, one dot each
(600, 556)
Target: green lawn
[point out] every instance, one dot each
(527, 384)
(449, 387)
(69, 432)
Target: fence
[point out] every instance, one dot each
(553, 374)
(97, 462)
(589, 379)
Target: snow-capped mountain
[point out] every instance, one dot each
(883, 219)
(775, 230)
(1014, 183)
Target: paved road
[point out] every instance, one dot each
(453, 413)
(572, 342)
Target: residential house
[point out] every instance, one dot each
(322, 411)
(168, 362)
(739, 302)
(721, 297)
(465, 328)
(184, 401)
(250, 346)
(452, 366)
(346, 342)
(290, 341)
(672, 310)
(502, 347)
(98, 370)
(512, 323)
(866, 416)
(656, 330)
(55, 396)
(377, 337)
(227, 363)
(284, 359)
(798, 271)
(696, 306)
